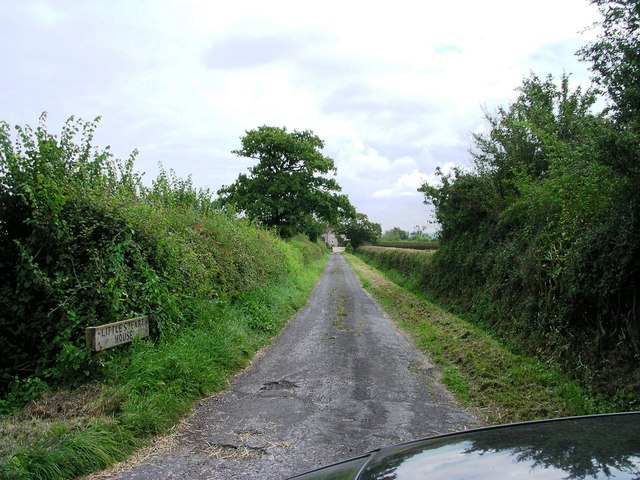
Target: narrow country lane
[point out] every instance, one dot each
(339, 380)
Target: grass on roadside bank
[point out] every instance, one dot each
(69, 434)
(482, 373)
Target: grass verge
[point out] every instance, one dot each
(504, 387)
(148, 389)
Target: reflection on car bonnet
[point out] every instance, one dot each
(600, 446)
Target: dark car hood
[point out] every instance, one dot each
(602, 446)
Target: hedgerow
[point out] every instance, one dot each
(84, 242)
(410, 263)
(540, 242)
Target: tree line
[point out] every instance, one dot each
(288, 190)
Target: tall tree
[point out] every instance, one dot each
(287, 189)
(615, 62)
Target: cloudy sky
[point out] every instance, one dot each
(394, 88)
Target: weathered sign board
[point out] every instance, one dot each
(113, 334)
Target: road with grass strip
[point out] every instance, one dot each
(340, 380)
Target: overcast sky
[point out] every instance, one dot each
(394, 88)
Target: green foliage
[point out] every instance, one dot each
(83, 242)
(396, 234)
(615, 57)
(286, 190)
(308, 251)
(21, 391)
(541, 240)
(419, 234)
(359, 230)
(396, 237)
(154, 384)
(55, 222)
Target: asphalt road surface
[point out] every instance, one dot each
(340, 380)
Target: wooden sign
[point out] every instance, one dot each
(113, 334)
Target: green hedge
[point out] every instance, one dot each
(540, 241)
(410, 263)
(84, 242)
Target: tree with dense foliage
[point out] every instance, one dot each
(287, 189)
(360, 230)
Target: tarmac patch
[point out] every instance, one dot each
(279, 385)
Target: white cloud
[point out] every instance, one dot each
(406, 185)
(356, 160)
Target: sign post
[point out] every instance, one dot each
(113, 334)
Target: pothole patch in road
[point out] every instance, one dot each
(225, 451)
(279, 385)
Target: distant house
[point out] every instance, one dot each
(333, 239)
(329, 237)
